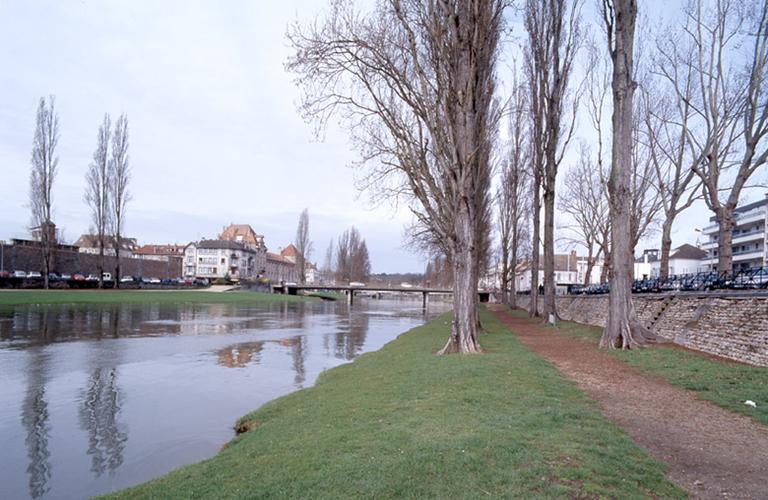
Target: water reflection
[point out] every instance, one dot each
(34, 419)
(240, 355)
(99, 417)
(80, 382)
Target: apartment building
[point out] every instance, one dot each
(750, 239)
(214, 259)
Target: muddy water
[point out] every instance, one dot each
(96, 398)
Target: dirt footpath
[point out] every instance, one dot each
(712, 452)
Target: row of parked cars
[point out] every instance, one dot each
(107, 278)
(743, 279)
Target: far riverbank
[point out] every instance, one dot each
(22, 297)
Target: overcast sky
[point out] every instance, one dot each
(215, 135)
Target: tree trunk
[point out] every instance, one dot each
(536, 209)
(622, 328)
(666, 248)
(590, 266)
(101, 264)
(513, 281)
(463, 339)
(549, 252)
(726, 224)
(117, 276)
(46, 262)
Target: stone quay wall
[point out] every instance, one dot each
(733, 326)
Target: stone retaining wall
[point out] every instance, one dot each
(23, 258)
(734, 327)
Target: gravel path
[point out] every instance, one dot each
(712, 452)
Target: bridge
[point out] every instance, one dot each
(349, 290)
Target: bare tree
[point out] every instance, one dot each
(513, 196)
(414, 82)
(97, 186)
(303, 245)
(554, 33)
(646, 199)
(119, 195)
(665, 126)
(623, 329)
(724, 87)
(585, 201)
(352, 259)
(44, 166)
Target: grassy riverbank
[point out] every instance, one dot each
(724, 383)
(337, 296)
(20, 297)
(402, 422)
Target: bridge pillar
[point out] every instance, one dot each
(424, 300)
(350, 296)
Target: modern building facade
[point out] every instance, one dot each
(750, 239)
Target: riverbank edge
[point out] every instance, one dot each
(403, 422)
(45, 297)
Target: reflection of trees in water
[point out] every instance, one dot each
(349, 341)
(34, 418)
(239, 355)
(298, 356)
(99, 412)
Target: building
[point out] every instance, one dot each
(647, 265)
(685, 259)
(280, 269)
(569, 270)
(245, 235)
(750, 239)
(159, 252)
(215, 259)
(89, 243)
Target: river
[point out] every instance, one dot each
(99, 397)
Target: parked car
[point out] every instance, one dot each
(19, 274)
(201, 281)
(356, 283)
(66, 277)
(106, 276)
(34, 275)
(54, 276)
(78, 277)
(91, 277)
(5, 274)
(127, 279)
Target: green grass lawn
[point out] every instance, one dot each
(726, 384)
(20, 297)
(327, 295)
(402, 422)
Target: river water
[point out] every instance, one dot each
(100, 397)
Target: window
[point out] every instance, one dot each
(222, 260)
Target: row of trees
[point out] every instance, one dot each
(695, 130)
(348, 259)
(415, 84)
(106, 191)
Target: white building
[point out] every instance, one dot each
(89, 243)
(750, 239)
(685, 259)
(214, 259)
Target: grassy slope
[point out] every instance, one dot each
(721, 382)
(11, 297)
(402, 422)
